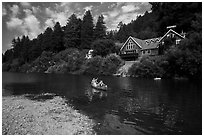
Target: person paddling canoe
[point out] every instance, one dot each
(94, 81)
(101, 83)
(98, 85)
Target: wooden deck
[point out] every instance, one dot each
(129, 57)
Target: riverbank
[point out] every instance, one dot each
(22, 116)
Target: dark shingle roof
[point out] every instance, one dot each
(148, 43)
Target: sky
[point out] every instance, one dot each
(32, 18)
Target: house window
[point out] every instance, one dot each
(173, 35)
(168, 35)
(130, 45)
(178, 41)
(148, 51)
(162, 42)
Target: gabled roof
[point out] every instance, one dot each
(173, 32)
(144, 44)
(128, 40)
(148, 43)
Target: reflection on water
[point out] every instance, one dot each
(130, 106)
(94, 94)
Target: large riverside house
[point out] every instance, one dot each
(134, 47)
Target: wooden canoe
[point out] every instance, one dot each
(99, 87)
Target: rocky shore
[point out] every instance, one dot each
(23, 116)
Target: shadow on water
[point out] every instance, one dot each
(90, 96)
(130, 106)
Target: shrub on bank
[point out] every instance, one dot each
(111, 64)
(66, 54)
(6, 67)
(25, 67)
(15, 65)
(69, 60)
(60, 68)
(146, 68)
(105, 66)
(93, 65)
(42, 63)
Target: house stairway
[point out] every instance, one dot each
(123, 70)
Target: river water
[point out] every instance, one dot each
(130, 105)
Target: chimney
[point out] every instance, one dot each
(170, 27)
(183, 34)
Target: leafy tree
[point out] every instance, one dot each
(182, 13)
(190, 58)
(120, 24)
(146, 68)
(111, 64)
(103, 47)
(168, 42)
(87, 30)
(146, 34)
(155, 6)
(123, 33)
(100, 29)
(186, 59)
(111, 35)
(43, 62)
(8, 56)
(72, 32)
(92, 66)
(154, 24)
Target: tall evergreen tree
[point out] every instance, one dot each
(16, 47)
(87, 30)
(25, 45)
(8, 55)
(100, 29)
(47, 40)
(35, 49)
(57, 38)
(72, 32)
(123, 32)
(111, 35)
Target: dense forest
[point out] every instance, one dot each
(64, 47)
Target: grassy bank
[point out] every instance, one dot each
(21, 116)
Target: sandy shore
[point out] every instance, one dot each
(23, 116)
